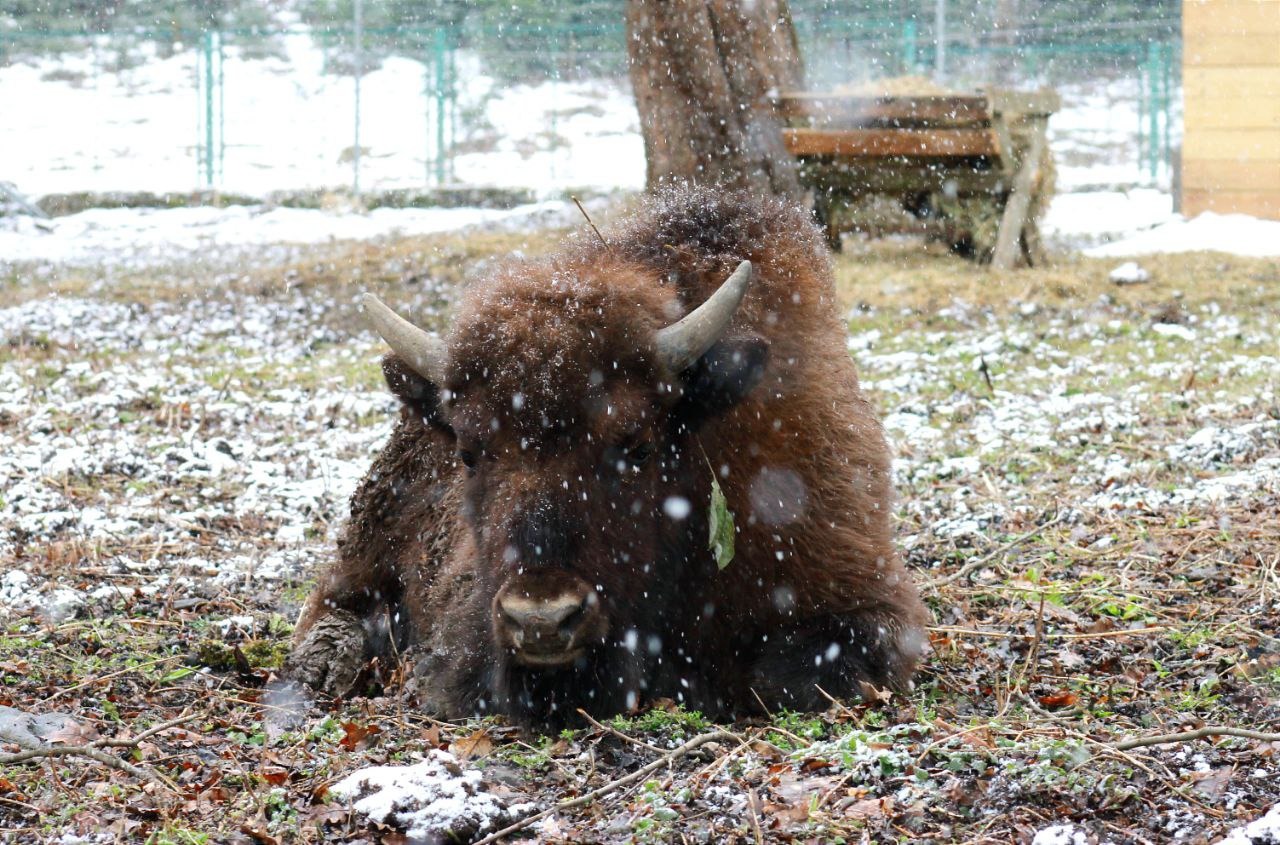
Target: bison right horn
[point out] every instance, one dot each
(422, 351)
(684, 342)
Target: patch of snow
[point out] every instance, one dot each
(1260, 831)
(1129, 273)
(1060, 834)
(434, 800)
(288, 125)
(1092, 216)
(1173, 330)
(147, 236)
(1238, 234)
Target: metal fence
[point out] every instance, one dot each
(1140, 64)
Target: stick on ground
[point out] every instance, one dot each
(1198, 733)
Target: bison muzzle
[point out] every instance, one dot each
(535, 532)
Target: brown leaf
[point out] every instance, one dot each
(1060, 699)
(814, 764)
(870, 808)
(7, 786)
(473, 747)
(274, 775)
(1212, 783)
(873, 695)
(788, 814)
(354, 735)
(431, 736)
(259, 835)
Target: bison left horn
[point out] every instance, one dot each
(422, 351)
(684, 342)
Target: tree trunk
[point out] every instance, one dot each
(702, 72)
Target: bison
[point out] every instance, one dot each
(535, 532)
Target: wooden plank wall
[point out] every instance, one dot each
(1231, 107)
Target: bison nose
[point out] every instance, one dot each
(543, 628)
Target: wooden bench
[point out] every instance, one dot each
(947, 160)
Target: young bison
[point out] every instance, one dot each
(535, 531)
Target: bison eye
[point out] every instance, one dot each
(638, 454)
(468, 459)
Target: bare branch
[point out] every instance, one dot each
(1198, 733)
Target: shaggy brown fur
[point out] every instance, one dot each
(589, 463)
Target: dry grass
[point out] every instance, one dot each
(905, 274)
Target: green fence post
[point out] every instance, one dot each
(451, 73)
(1168, 105)
(1142, 117)
(222, 114)
(440, 104)
(1153, 116)
(909, 46)
(208, 109)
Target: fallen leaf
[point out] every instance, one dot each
(354, 735)
(1212, 783)
(259, 835)
(872, 695)
(870, 808)
(1060, 699)
(788, 813)
(473, 747)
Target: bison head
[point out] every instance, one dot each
(572, 396)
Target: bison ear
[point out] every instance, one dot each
(722, 377)
(417, 393)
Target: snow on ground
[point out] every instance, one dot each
(177, 436)
(71, 126)
(289, 124)
(1235, 233)
(435, 800)
(1263, 831)
(1045, 400)
(1095, 135)
(139, 236)
(1090, 217)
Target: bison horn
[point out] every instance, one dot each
(684, 342)
(422, 351)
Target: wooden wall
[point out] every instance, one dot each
(1231, 107)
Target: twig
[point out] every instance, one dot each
(760, 701)
(752, 800)
(981, 561)
(147, 734)
(619, 734)
(639, 774)
(1198, 733)
(603, 242)
(986, 373)
(94, 754)
(1034, 651)
(835, 702)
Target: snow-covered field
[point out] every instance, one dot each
(288, 124)
(70, 127)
